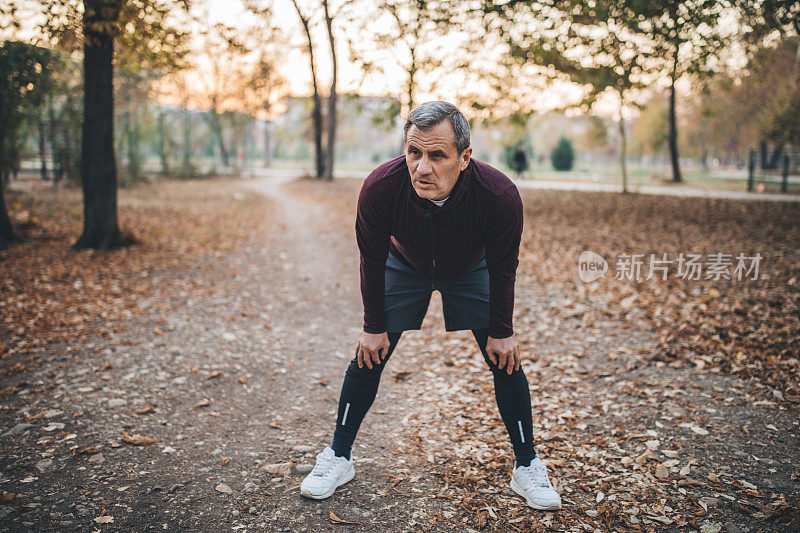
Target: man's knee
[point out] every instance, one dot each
(364, 373)
(502, 373)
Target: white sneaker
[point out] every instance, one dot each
(328, 474)
(532, 483)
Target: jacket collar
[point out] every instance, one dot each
(459, 189)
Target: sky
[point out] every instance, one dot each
(296, 69)
(295, 66)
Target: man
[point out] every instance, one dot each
(436, 219)
(519, 161)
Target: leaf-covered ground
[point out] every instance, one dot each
(659, 405)
(51, 292)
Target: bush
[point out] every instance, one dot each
(562, 155)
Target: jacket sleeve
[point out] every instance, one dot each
(372, 235)
(503, 236)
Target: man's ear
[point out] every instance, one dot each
(464, 158)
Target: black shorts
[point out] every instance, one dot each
(465, 298)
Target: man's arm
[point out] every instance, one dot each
(503, 236)
(372, 235)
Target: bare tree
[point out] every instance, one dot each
(410, 36)
(316, 114)
(98, 164)
(265, 85)
(328, 175)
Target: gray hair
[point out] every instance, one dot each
(427, 115)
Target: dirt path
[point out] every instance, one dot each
(243, 381)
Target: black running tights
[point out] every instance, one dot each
(511, 392)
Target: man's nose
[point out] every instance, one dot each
(424, 166)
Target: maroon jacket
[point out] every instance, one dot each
(482, 217)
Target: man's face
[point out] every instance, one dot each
(433, 160)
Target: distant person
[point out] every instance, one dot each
(519, 162)
(436, 219)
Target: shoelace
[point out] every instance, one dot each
(537, 474)
(324, 466)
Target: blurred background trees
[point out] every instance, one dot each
(562, 155)
(642, 90)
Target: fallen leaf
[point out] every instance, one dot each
(136, 438)
(13, 369)
(203, 403)
(225, 489)
(90, 450)
(148, 409)
(214, 374)
(336, 520)
(711, 527)
(277, 426)
(105, 519)
(400, 376)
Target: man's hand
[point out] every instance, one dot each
(371, 347)
(504, 352)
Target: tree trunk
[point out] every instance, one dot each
(98, 167)
(131, 133)
(623, 148)
(70, 144)
(216, 129)
(162, 144)
(211, 147)
(6, 229)
(673, 126)
(776, 156)
(328, 176)
(43, 148)
(704, 147)
(223, 151)
(411, 72)
(186, 166)
(7, 234)
(58, 164)
(319, 153)
(135, 158)
(316, 115)
(267, 143)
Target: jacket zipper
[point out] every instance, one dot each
(431, 249)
